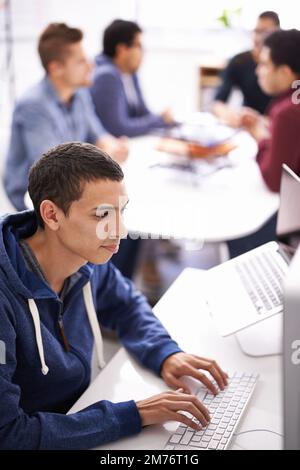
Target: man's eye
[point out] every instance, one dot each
(102, 215)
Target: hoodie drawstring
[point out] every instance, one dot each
(37, 326)
(91, 312)
(92, 316)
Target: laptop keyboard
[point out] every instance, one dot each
(225, 409)
(262, 276)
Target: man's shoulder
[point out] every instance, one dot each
(6, 309)
(287, 111)
(34, 97)
(242, 59)
(106, 71)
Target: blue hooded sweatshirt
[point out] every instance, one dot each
(118, 116)
(39, 379)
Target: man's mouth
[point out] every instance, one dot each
(111, 248)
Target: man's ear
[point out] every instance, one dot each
(54, 68)
(287, 72)
(51, 214)
(120, 48)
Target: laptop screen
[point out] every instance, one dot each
(288, 222)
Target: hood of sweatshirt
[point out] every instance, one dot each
(15, 274)
(25, 286)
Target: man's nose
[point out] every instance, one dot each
(122, 230)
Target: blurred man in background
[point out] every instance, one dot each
(240, 74)
(116, 91)
(278, 133)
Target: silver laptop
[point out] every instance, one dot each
(249, 288)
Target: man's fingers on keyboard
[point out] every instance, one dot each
(215, 365)
(177, 416)
(198, 404)
(215, 373)
(205, 380)
(201, 406)
(223, 374)
(189, 407)
(176, 383)
(178, 398)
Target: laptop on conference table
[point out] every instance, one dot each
(248, 289)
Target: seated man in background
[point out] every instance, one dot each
(278, 134)
(56, 110)
(57, 286)
(116, 91)
(240, 74)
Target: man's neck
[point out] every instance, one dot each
(53, 258)
(65, 92)
(255, 55)
(121, 66)
(286, 91)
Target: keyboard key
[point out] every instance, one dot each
(203, 445)
(181, 429)
(175, 439)
(212, 427)
(187, 437)
(213, 445)
(225, 420)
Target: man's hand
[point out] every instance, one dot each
(168, 117)
(168, 406)
(245, 118)
(249, 117)
(116, 148)
(227, 114)
(259, 129)
(181, 364)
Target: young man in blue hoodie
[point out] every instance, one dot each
(56, 287)
(116, 91)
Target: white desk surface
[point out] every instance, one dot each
(227, 204)
(183, 313)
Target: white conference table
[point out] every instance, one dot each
(225, 200)
(183, 312)
(214, 206)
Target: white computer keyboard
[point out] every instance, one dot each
(225, 409)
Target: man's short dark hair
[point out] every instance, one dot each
(270, 15)
(55, 41)
(60, 175)
(119, 32)
(284, 48)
